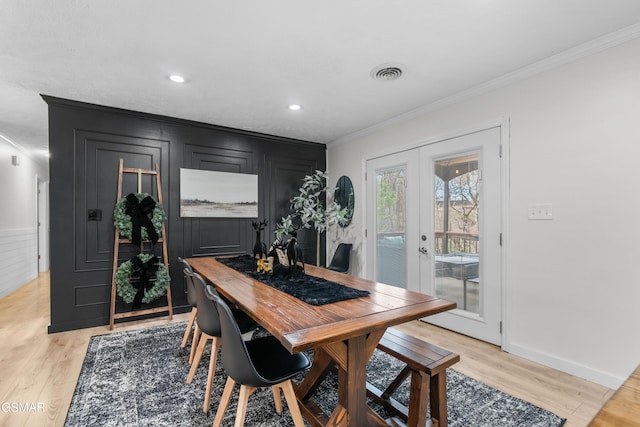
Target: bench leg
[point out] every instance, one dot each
(438, 399)
(418, 399)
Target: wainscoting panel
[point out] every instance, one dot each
(214, 236)
(96, 187)
(285, 179)
(86, 142)
(18, 258)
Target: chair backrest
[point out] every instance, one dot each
(185, 264)
(235, 356)
(191, 291)
(207, 315)
(341, 258)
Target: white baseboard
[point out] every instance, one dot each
(582, 371)
(18, 258)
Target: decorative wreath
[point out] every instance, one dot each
(139, 217)
(142, 279)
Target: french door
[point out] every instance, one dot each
(434, 224)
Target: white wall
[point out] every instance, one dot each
(18, 218)
(573, 292)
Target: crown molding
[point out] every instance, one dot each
(592, 47)
(28, 153)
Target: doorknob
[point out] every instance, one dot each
(424, 250)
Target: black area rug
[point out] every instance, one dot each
(310, 289)
(138, 378)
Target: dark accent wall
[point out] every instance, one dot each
(86, 142)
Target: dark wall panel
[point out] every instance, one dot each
(96, 166)
(86, 143)
(206, 236)
(284, 182)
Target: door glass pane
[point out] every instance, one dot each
(390, 226)
(456, 234)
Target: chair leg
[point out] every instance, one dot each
(243, 402)
(224, 401)
(215, 344)
(196, 360)
(276, 398)
(194, 343)
(292, 402)
(187, 331)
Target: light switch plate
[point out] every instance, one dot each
(538, 211)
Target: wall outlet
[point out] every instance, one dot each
(540, 211)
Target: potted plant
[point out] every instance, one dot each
(314, 207)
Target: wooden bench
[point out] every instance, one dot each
(427, 365)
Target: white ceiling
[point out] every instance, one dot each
(246, 60)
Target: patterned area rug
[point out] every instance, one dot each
(138, 378)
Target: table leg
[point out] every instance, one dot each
(322, 364)
(352, 383)
(351, 357)
(354, 396)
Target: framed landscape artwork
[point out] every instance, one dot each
(213, 194)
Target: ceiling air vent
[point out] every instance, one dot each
(386, 72)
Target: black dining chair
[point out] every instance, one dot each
(261, 362)
(208, 322)
(341, 258)
(191, 300)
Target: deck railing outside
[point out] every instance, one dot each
(448, 242)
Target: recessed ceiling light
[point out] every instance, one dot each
(176, 78)
(295, 107)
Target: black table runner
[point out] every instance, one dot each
(310, 289)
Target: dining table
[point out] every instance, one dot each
(343, 335)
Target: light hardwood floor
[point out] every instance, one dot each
(42, 370)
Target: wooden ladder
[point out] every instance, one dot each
(118, 240)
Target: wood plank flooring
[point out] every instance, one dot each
(623, 408)
(41, 370)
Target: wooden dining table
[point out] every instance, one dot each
(342, 334)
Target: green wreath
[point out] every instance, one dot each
(127, 291)
(123, 223)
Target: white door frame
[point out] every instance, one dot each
(505, 133)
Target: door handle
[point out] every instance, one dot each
(424, 250)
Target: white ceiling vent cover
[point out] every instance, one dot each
(387, 72)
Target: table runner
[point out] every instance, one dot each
(310, 289)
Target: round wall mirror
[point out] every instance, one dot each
(345, 198)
